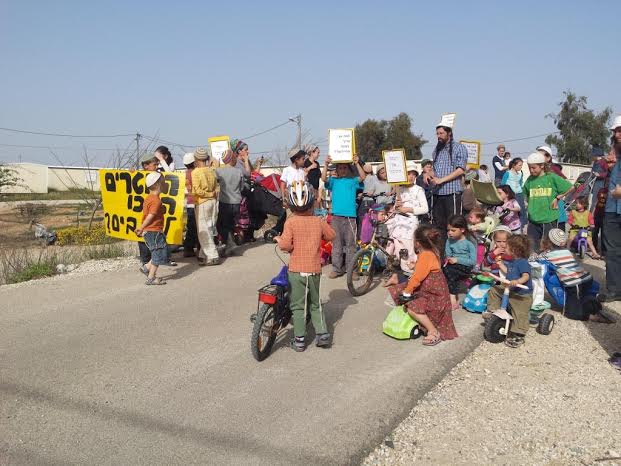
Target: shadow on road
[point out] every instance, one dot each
(207, 438)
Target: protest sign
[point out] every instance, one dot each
(218, 145)
(474, 153)
(394, 161)
(448, 120)
(341, 145)
(123, 194)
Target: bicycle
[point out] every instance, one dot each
(371, 257)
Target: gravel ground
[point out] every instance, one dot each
(554, 401)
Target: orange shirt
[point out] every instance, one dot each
(153, 205)
(426, 263)
(302, 237)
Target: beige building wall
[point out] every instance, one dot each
(67, 178)
(33, 178)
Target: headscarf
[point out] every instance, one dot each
(227, 157)
(238, 145)
(310, 148)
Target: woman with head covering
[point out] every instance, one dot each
(241, 153)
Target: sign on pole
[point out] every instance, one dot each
(218, 145)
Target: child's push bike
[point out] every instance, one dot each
(498, 324)
(371, 258)
(273, 314)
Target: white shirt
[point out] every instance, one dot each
(291, 174)
(484, 177)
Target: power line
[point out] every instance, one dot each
(38, 133)
(521, 139)
(57, 147)
(266, 131)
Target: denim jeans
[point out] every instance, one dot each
(612, 241)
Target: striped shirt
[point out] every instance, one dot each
(568, 270)
(443, 166)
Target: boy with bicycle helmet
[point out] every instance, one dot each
(302, 237)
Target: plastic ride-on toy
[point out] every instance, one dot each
(497, 326)
(399, 324)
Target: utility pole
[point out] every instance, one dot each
(138, 151)
(298, 120)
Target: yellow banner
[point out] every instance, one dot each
(123, 193)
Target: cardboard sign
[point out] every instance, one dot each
(218, 145)
(341, 145)
(448, 120)
(474, 153)
(123, 194)
(396, 170)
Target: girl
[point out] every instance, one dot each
(430, 307)
(461, 256)
(515, 179)
(165, 158)
(410, 203)
(579, 219)
(512, 220)
(517, 271)
(480, 226)
(427, 170)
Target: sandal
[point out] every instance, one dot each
(155, 281)
(432, 340)
(143, 269)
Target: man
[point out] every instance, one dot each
(498, 162)
(449, 165)
(230, 179)
(612, 224)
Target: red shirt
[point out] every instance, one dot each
(153, 205)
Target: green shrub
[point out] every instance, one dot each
(33, 271)
(83, 236)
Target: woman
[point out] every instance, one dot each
(242, 156)
(165, 158)
(410, 203)
(514, 178)
(380, 189)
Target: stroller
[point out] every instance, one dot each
(582, 188)
(264, 198)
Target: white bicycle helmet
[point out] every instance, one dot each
(301, 196)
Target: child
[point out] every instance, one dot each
(579, 219)
(498, 251)
(461, 256)
(294, 172)
(598, 219)
(302, 237)
(542, 191)
(152, 228)
(517, 271)
(205, 193)
(510, 203)
(343, 188)
(468, 200)
(576, 281)
(480, 225)
(431, 306)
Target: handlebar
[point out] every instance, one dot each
(504, 281)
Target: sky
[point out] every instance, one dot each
(184, 71)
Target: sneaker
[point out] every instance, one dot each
(214, 262)
(608, 297)
(514, 341)
(298, 344)
(323, 340)
(334, 274)
(172, 264)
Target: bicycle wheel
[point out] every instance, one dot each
(360, 274)
(263, 332)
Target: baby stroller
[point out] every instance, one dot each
(583, 188)
(264, 199)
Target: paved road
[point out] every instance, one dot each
(99, 369)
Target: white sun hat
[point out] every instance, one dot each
(616, 123)
(536, 157)
(547, 149)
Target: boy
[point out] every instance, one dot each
(292, 173)
(302, 237)
(190, 241)
(205, 193)
(152, 228)
(517, 271)
(542, 191)
(343, 188)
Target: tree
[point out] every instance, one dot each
(373, 136)
(8, 178)
(580, 129)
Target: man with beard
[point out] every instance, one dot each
(449, 165)
(612, 223)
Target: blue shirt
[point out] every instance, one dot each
(614, 205)
(515, 269)
(344, 195)
(513, 180)
(443, 166)
(463, 250)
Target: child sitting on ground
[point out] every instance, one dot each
(302, 237)
(579, 219)
(498, 251)
(517, 271)
(461, 256)
(576, 281)
(152, 226)
(430, 306)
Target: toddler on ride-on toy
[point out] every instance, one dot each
(517, 271)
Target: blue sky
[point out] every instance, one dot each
(190, 70)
